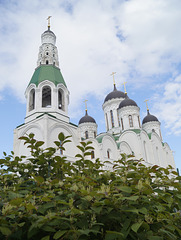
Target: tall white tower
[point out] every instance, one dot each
(47, 99)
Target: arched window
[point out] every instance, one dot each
(160, 134)
(122, 124)
(86, 135)
(139, 122)
(46, 96)
(112, 118)
(118, 119)
(157, 156)
(130, 121)
(32, 100)
(144, 144)
(61, 104)
(47, 62)
(47, 53)
(94, 134)
(107, 122)
(108, 153)
(61, 150)
(92, 155)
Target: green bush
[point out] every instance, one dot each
(47, 197)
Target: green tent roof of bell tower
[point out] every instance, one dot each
(47, 72)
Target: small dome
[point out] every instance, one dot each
(87, 119)
(49, 31)
(127, 102)
(149, 118)
(114, 94)
(48, 37)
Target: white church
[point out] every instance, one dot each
(47, 99)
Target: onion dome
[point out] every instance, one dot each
(87, 119)
(149, 118)
(114, 94)
(127, 102)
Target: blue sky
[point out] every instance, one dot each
(139, 40)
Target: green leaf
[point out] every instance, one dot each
(57, 143)
(5, 231)
(143, 210)
(24, 138)
(39, 144)
(59, 234)
(30, 206)
(125, 189)
(4, 153)
(112, 235)
(39, 179)
(89, 148)
(31, 135)
(21, 224)
(16, 201)
(133, 210)
(155, 238)
(136, 226)
(61, 137)
(78, 156)
(66, 141)
(132, 198)
(87, 153)
(46, 238)
(81, 148)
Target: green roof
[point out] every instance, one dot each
(47, 72)
(99, 138)
(137, 131)
(149, 135)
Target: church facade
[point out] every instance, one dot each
(47, 99)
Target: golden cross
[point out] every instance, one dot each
(146, 104)
(112, 74)
(124, 83)
(85, 104)
(48, 18)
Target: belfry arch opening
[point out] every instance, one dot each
(32, 100)
(61, 101)
(46, 96)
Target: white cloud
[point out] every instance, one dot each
(138, 39)
(168, 105)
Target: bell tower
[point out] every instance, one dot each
(47, 98)
(47, 90)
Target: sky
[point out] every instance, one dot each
(139, 40)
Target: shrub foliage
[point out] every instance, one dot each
(45, 197)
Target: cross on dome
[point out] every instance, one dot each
(112, 74)
(124, 83)
(85, 101)
(48, 18)
(146, 101)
